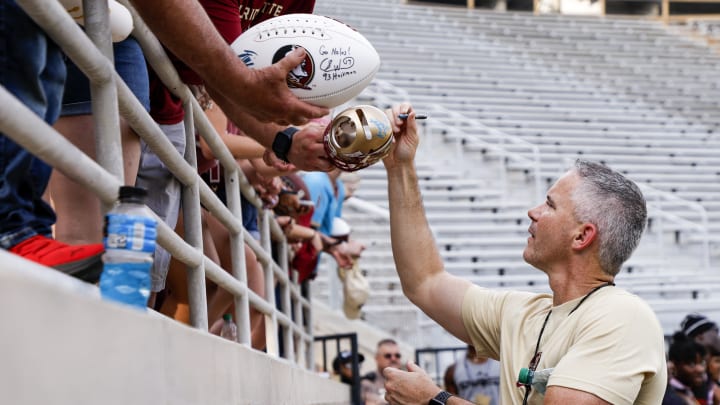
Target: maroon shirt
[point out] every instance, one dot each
(230, 18)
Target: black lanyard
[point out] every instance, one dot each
(536, 358)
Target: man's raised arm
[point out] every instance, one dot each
(419, 265)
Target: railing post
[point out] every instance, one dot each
(305, 319)
(237, 256)
(355, 388)
(197, 296)
(355, 393)
(286, 299)
(103, 94)
(271, 323)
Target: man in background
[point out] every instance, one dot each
(342, 366)
(373, 383)
(474, 378)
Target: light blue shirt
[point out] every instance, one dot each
(327, 205)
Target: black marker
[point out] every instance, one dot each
(417, 117)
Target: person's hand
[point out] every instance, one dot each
(287, 224)
(268, 189)
(412, 387)
(271, 99)
(271, 165)
(284, 220)
(270, 159)
(274, 185)
(406, 137)
(341, 256)
(353, 248)
(346, 253)
(307, 151)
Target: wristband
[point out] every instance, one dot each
(282, 143)
(335, 243)
(441, 398)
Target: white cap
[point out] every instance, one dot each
(340, 228)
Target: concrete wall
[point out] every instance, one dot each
(61, 344)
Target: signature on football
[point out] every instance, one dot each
(334, 65)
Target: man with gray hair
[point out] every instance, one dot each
(597, 343)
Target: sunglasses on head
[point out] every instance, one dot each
(391, 355)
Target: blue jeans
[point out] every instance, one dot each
(130, 65)
(32, 69)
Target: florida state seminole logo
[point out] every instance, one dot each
(302, 74)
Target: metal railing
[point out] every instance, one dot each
(435, 360)
(337, 347)
(506, 147)
(104, 178)
(683, 216)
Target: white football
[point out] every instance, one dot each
(339, 64)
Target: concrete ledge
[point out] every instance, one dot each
(61, 344)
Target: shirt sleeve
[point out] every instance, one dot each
(482, 315)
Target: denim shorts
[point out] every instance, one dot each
(130, 65)
(164, 194)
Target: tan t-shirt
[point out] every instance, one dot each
(612, 346)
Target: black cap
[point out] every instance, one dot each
(345, 357)
(696, 324)
(132, 194)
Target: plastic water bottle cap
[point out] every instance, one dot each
(525, 376)
(132, 194)
(227, 317)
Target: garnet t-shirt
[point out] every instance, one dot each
(230, 18)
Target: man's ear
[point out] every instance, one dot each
(586, 235)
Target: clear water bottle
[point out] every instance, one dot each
(537, 380)
(229, 329)
(130, 234)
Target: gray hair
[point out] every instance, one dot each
(616, 206)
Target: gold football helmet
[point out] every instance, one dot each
(358, 137)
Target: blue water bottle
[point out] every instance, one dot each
(129, 238)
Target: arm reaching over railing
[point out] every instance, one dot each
(305, 151)
(184, 27)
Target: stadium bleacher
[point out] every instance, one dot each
(516, 96)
